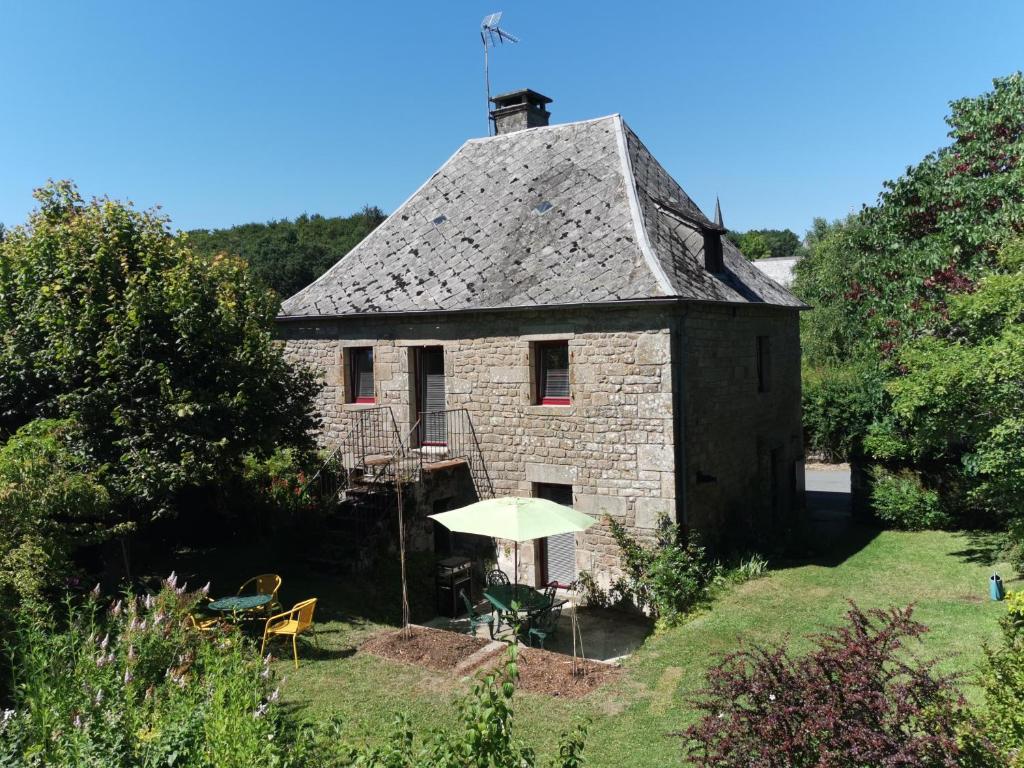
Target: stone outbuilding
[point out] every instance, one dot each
(551, 308)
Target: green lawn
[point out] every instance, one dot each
(944, 574)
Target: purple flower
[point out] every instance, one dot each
(128, 676)
(206, 589)
(116, 608)
(172, 580)
(105, 642)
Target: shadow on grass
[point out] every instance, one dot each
(983, 547)
(830, 548)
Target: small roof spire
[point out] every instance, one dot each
(718, 214)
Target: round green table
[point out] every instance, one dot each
(239, 603)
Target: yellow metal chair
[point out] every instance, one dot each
(291, 623)
(203, 624)
(266, 584)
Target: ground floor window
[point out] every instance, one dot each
(557, 554)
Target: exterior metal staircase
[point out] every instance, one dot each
(356, 485)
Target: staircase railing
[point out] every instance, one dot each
(447, 436)
(365, 450)
(375, 453)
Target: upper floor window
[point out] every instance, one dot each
(763, 364)
(360, 375)
(553, 373)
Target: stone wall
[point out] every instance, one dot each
(614, 444)
(732, 428)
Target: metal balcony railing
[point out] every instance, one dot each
(373, 454)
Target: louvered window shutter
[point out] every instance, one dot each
(554, 374)
(434, 427)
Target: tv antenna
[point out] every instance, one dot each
(490, 35)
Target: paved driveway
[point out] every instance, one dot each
(828, 500)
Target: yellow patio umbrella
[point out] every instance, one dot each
(515, 518)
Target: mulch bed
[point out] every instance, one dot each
(539, 671)
(434, 649)
(551, 674)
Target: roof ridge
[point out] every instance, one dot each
(643, 240)
(553, 126)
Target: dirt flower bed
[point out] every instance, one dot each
(551, 674)
(431, 648)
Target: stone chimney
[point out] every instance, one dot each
(519, 110)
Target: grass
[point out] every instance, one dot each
(945, 575)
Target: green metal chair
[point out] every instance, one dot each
(476, 619)
(545, 624)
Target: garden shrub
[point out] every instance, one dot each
(132, 685)
(858, 699)
(591, 594)
(1003, 683)
(839, 403)
(50, 505)
(668, 579)
(899, 498)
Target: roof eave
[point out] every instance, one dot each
(621, 304)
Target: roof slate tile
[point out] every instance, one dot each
(493, 249)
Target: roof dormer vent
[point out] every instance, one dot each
(713, 260)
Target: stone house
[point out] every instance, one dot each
(601, 341)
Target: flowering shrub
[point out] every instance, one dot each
(133, 685)
(856, 700)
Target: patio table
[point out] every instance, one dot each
(530, 601)
(239, 603)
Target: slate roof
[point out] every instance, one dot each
(564, 214)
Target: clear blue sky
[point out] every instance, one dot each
(226, 112)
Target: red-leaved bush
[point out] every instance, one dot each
(855, 700)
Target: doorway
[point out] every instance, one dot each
(557, 554)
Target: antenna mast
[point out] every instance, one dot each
(490, 35)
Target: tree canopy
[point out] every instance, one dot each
(767, 243)
(916, 295)
(288, 255)
(162, 358)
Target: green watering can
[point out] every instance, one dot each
(995, 587)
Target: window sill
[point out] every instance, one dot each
(357, 406)
(550, 410)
